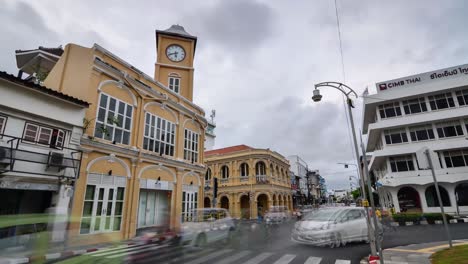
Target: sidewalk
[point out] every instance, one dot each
(58, 251)
(416, 253)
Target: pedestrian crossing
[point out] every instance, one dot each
(165, 254)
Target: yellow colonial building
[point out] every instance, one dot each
(143, 142)
(250, 180)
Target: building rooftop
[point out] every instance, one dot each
(226, 150)
(177, 31)
(11, 78)
(56, 51)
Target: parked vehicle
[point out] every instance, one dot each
(333, 227)
(207, 225)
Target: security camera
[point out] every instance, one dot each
(317, 97)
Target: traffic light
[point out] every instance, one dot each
(215, 187)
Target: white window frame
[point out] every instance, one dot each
(447, 96)
(462, 97)
(174, 83)
(189, 204)
(395, 105)
(42, 131)
(208, 175)
(426, 128)
(449, 154)
(421, 101)
(401, 132)
(448, 124)
(405, 158)
(102, 216)
(155, 128)
(111, 125)
(191, 145)
(261, 169)
(224, 172)
(3, 121)
(244, 169)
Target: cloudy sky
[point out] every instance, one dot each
(257, 61)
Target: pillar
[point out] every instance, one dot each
(176, 207)
(396, 204)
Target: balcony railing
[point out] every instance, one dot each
(262, 179)
(244, 178)
(19, 158)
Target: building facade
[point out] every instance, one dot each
(143, 142)
(40, 159)
(409, 114)
(250, 180)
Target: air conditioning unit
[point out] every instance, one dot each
(56, 160)
(5, 157)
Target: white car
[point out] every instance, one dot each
(333, 227)
(207, 225)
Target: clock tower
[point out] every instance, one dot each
(174, 64)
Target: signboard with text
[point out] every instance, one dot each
(443, 74)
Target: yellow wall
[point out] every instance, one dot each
(78, 75)
(277, 188)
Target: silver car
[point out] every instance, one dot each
(207, 225)
(332, 226)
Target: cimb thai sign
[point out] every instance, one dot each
(422, 78)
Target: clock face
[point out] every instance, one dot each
(175, 53)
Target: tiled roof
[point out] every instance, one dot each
(178, 31)
(43, 89)
(223, 151)
(56, 51)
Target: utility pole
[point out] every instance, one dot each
(436, 184)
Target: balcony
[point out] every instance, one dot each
(262, 179)
(28, 158)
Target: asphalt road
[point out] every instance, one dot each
(273, 245)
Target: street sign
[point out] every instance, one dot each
(422, 159)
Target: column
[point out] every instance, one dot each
(176, 208)
(453, 199)
(396, 204)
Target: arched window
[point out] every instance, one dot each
(208, 175)
(260, 168)
(431, 196)
(272, 170)
(282, 174)
(244, 170)
(461, 192)
(224, 172)
(277, 172)
(174, 82)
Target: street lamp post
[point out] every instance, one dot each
(347, 91)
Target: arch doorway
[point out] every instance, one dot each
(224, 202)
(461, 193)
(262, 204)
(431, 196)
(409, 200)
(245, 207)
(207, 202)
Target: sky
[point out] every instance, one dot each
(257, 61)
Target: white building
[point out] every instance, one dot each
(40, 131)
(340, 195)
(410, 113)
(210, 135)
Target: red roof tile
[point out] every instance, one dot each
(222, 151)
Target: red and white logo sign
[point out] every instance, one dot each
(383, 86)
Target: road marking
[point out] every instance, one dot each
(101, 254)
(259, 258)
(108, 249)
(234, 257)
(342, 261)
(191, 255)
(313, 260)
(210, 256)
(285, 259)
(137, 250)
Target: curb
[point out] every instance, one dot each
(72, 253)
(436, 222)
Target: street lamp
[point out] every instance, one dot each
(347, 91)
